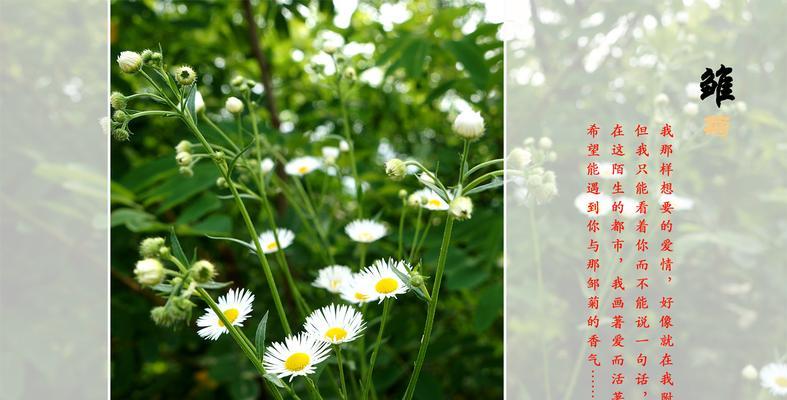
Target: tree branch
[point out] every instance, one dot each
(262, 61)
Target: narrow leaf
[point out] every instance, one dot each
(259, 337)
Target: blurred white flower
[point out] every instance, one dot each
(333, 278)
(774, 378)
(749, 372)
(691, 109)
(329, 41)
(301, 166)
(520, 158)
(365, 230)
(545, 143)
(330, 154)
(266, 165)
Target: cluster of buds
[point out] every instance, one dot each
(242, 84)
(535, 183)
(120, 118)
(184, 158)
(150, 272)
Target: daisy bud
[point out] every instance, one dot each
(147, 55)
(749, 372)
(469, 125)
(529, 141)
(461, 208)
(520, 158)
(129, 61)
(414, 200)
(118, 101)
(402, 194)
(149, 271)
(551, 156)
(350, 74)
(691, 109)
(163, 252)
(416, 279)
(185, 75)
(121, 134)
(234, 105)
(344, 146)
(186, 171)
(203, 271)
(120, 116)
(183, 158)
(155, 59)
(160, 316)
(199, 102)
(661, 99)
(183, 146)
(425, 178)
(240, 83)
(221, 182)
(267, 165)
(330, 154)
(396, 169)
(545, 143)
(149, 247)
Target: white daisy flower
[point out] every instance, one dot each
(335, 324)
(236, 307)
(301, 166)
(355, 291)
(298, 355)
(268, 240)
(333, 278)
(774, 378)
(381, 282)
(348, 185)
(330, 154)
(431, 200)
(604, 203)
(365, 230)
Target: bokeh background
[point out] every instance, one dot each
(419, 63)
(573, 63)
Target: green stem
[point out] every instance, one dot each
(338, 350)
(400, 246)
(221, 132)
(362, 256)
(484, 177)
(419, 361)
(424, 235)
(481, 166)
(313, 388)
(221, 165)
(348, 138)
(417, 231)
(368, 379)
(540, 282)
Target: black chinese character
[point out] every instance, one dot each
(722, 88)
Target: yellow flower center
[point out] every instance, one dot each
(781, 381)
(303, 169)
(271, 246)
(231, 314)
(435, 203)
(335, 283)
(336, 334)
(296, 362)
(360, 296)
(366, 236)
(386, 285)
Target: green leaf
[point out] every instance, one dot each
(197, 209)
(466, 278)
(472, 59)
(489, 307)
(275, 380)
(214, 285)
(495, 183)
(177, 251)
(259, 336)
(190, 103)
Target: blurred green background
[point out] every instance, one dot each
(418, 62)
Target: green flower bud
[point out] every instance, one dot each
(183, 159)
(150, 247)
(396, 169)
(121, 134)
(184, 145)
(350, 74)
(186, 171)
(416, 279)
(149, 272)
(120, 116)
(203, 271)
(402, 194)
(221, 182)
(147, 54)
(129, 62)
(118, 101)
(160, 316)
(155, 59)
(185, 75)
(461, 208)
(164, 252)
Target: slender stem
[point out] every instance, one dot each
(417, 230)
(419, 361)
(338, 350)
(362, 256)
(481, 166)
(400, 245)
(249, 225)
(221, 132)
(348, 138)
(484, 177)
(540, 282)
(317, 224)
(313, 388)
(368, 379)
(362, 346)
(424, 235)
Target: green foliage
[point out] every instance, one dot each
(408, 111)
